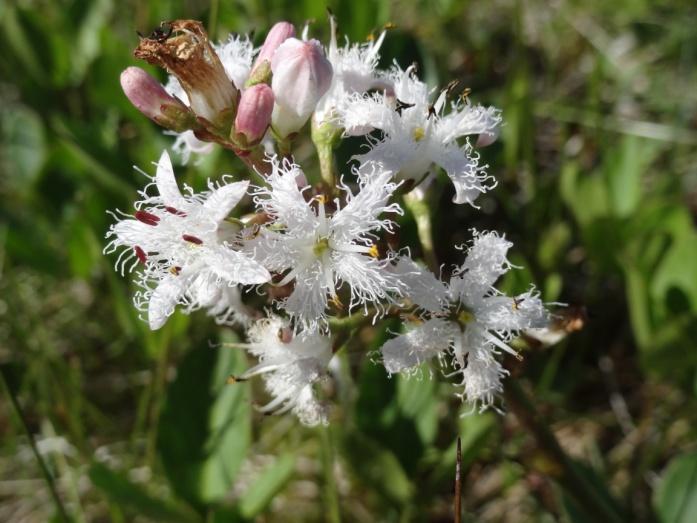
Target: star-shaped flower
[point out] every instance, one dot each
(417, 133)
(467, 318)
(186, 246)
(320, 251)
(291, 364)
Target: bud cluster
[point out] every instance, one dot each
(320, 256)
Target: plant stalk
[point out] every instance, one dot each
(583, 492)
(62, 513)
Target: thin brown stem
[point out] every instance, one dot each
(569, 476)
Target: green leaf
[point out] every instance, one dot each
(416, 398)
(23, 149)
(378, 468)
(122, 492)
(624, 168)
(270, 483)
(205, 425)
(87, 42)
(675, 499)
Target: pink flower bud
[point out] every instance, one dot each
(301, 76)
(151, 99)
(254, 113)
(278, 34)
(487, 138)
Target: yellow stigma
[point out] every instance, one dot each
(321, 198)
(419, 134)
(373, 251)
(320, 246)
(465, 317)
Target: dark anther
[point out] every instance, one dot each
(401, 106)
(147, 218)
(173, 210)
(140, 254)
(431, 111)
(192, 239)
(451, 86)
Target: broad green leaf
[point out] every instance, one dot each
(87, 45)
(23, 145)
(271, 482)
(377, 467)
(624, 168)
(417, 400)
(136, 497)
(675, 499)
(204, 429)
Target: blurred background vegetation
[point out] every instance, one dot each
(598, 171)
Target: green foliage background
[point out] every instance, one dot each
(598, 190)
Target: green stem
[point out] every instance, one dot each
(32, 443)
(158, 391)
(213, 19)
(331, 496)
(424, 226)
(583, 492)
(327, 165)
(325, 137)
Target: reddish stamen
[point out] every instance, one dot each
(192, 239)
(140, 254)
(147, 218)
(175, 270)
(175, 211)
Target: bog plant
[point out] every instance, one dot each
(318, 249)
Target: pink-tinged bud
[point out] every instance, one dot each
(487, 138)
(278, 34)
(151, 99)
(301, 76)
(254, 114)
(186, 52)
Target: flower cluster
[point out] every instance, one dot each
(316, 247)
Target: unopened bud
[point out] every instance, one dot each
(301, 76)
(278, 34)
(487, 138)
(151, 99)
(187, 53)
(254, 114)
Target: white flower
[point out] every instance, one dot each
(354, 72)
(291, 364)
(236, 55)
(417, 134)
(186, 247)
(469, 319)
(322, 251)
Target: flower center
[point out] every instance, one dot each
(464, 317)
(419, 134)
(321, 246)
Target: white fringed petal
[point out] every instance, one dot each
(420, 344)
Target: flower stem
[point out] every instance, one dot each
(63, 515)
(325, 137)
(424, 226)
(570, 478)
(331, 497)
